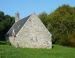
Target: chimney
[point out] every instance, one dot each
(17, 17)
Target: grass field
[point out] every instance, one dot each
(7, 51)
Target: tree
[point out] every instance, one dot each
(61, 23)
(6, 22)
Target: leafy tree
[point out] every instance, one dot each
(61, 23)
(6, 22)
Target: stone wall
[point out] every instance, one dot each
(33, 35)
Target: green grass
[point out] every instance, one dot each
(7, 51)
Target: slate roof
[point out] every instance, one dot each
(17, 26)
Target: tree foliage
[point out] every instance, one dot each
(6, 22)
(61, 23)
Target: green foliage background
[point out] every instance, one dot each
(6, 22)
(61, 23)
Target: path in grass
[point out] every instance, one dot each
(7, 51)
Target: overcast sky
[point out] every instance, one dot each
(26, 7)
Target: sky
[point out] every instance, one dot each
(26, 7)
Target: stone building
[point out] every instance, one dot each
(29, 32)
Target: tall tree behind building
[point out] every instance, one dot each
(61, 23)
(6, 21)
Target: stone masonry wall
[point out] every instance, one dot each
(32, 35)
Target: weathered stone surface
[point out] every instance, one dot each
(33, 34)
